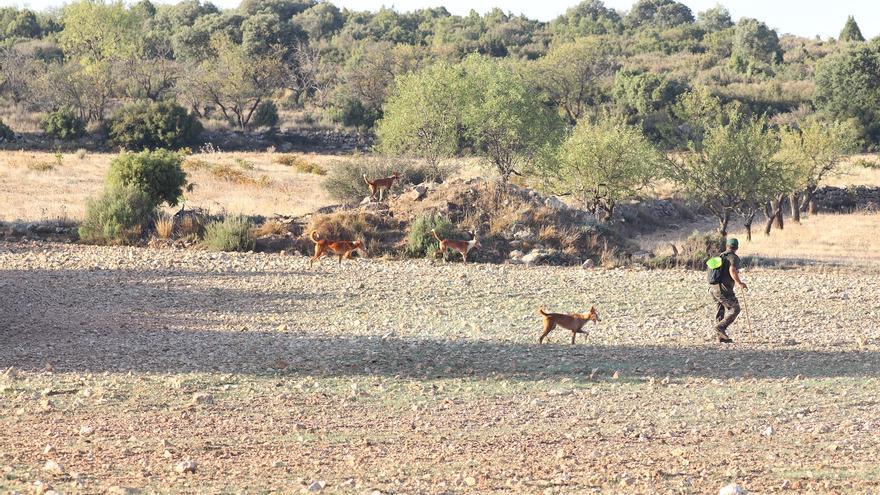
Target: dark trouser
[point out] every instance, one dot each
(727, 306)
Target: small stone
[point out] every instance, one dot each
(316, 486)
(278, 464)
(41, 487)
(732, 489)
(122, 490)
(53, 467)
(616, 375)
(48, 449)
(588, 264)
(86, 430)
(470, 481)
(188, 466)
(767, 431)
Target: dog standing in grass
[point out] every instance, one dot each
(343, 249)
(380, 185)
(574, 322)
(463, 247)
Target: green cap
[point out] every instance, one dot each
(733, 242)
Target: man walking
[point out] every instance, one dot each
(723, 292)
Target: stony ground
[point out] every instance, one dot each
(419, 377)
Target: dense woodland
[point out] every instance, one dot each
(589, 104)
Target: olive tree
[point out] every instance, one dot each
(573, 74)
(422, 117)
(601, 163)
(236, 81)
(814, 152)
(504, 119)
(733, 169)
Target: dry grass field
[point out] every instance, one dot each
(257, 185)
(135, 370)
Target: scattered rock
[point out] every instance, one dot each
(767, 431)
(86, 431)
(555, 203)
(316, 486)
(588, 264)
(53, 467)
(122, 490)
(732, 489)
(470, 481)
(188, 466)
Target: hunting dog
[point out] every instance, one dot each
(574, 322)
(380, 185)
(463, 247)
(343, 249)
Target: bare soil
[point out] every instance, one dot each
(422, 377)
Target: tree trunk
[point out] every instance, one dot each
(778, 220)
(770, 213)
(723, 221)
(795, 200)
(748, 223)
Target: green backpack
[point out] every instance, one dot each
(716, 269)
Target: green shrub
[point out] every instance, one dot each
(117, 217)
(345, 182)
(6, 133)
(63, 124)
(420, 241)
(352, 113)
(143, 125)
(157, 173)
(233, 233)
(266, 115)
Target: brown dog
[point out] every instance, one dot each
(380, 185)
(343, 249)
(463, 247)
(574, 322)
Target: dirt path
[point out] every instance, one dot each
(413, 377)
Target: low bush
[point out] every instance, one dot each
(345, 181)
(143, 125)
(63, 124)
(420, 241)
(165, 226)
(300, 164)
(266, 115)
(379, 234)
(233, 233)
(245, 164)
(230, 174)
(157, 173)
(117, 217)
(270, 227)
(6, 134)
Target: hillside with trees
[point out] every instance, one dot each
(242, 67)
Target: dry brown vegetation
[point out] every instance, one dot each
(268, 189)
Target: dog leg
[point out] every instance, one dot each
(464, 257)
(573, 334)
(548, 326)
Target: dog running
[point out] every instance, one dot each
(574, 322)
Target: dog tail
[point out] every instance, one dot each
(313, 235)
(365, 179)
(541, 310)
(436, 236)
